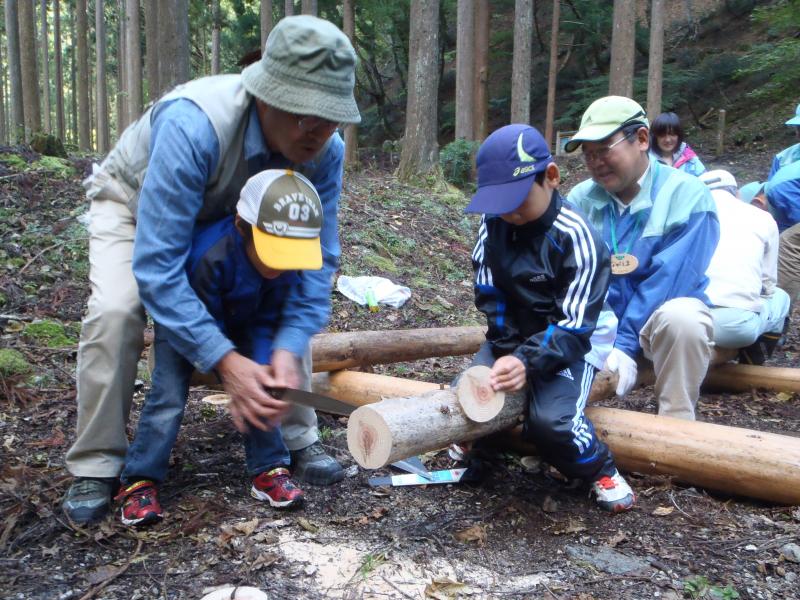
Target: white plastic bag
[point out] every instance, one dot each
(386, 292)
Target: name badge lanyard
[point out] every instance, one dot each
(623, 262)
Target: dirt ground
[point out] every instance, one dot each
(522, 534)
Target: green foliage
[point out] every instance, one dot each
(777, 64)
(14, 161)
(48, 333)
(12, 363)
(457, 159)
(57, 166)
(699, 587)
(371, 562)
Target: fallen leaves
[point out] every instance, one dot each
(445, 588)
(476, 533)
(663, 511)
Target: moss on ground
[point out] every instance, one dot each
(48, 333)
(12, 362)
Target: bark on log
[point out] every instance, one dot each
(733, 460)
(396, 428)
(334, 351)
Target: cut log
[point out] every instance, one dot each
(727, 459)
(396, 428)
(743, 378)
(357, 388)
(334, 351)
(476, 397)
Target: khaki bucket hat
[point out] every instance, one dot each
(307, 68)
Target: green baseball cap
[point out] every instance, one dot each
(605, 117)
(308, 67)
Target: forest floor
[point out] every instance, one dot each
(523, 534)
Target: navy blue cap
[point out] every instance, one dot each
(507, 161)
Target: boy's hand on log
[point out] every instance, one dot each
(508, 374)
(244, 381)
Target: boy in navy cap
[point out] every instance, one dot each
(541, 277)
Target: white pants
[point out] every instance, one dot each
(110, 346)
(678, 339)
(738, 328)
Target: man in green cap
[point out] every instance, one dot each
(662, 229)
(182, 163)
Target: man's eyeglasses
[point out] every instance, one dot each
(602, 153)
(311, 123)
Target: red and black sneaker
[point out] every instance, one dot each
(277, 488)
(140, 504)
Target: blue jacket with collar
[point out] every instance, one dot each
(783, 194)
(247, 307)
(671, 227)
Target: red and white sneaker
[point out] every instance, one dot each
(277, 488)
(613, 493)
(140, 504)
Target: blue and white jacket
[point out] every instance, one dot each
(784, 158)
(684, 159)
(671, 227)
(783, 195)
(542, 287)
(247, 308)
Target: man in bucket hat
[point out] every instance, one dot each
(662, 229)
(182, 163)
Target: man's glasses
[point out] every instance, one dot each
(311, 123)
(602, 153)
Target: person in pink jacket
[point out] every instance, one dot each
(667, 145)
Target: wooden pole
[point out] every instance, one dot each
(334, 351)
(721, 132)
(733, 460)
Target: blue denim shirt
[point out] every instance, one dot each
(184, 153)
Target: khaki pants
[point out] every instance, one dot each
(678, 339)
(789, 262)
(110, 347)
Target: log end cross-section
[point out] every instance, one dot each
(477, 398)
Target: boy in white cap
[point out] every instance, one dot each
(178, 166)
(541, 277)
(243, 269)
(662, 229)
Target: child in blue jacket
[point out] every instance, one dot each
(241, 269)
(541, 279)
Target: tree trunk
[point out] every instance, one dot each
(656, 63)
(30, 80)
(73, 78)
(521, 64)
(17, 123)
(309, 7)
(84, 125)
(739, 461)
(420, 148)
(465, 65)
(59, 89)
(174, 43)
(623, 46)
(45, 43)
(122, 80)
(333, 351)
(351, 131)
(101, 93)
(215, 32)
(3, 127)
(288, 6)
(133, 59)
(480, 109)
(151, 49)
(552, 74)
(266, 21)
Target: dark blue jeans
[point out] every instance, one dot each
(148, 454)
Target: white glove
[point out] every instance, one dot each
(623, 365)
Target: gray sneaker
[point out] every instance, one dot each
(88, 499)
(315, 466)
